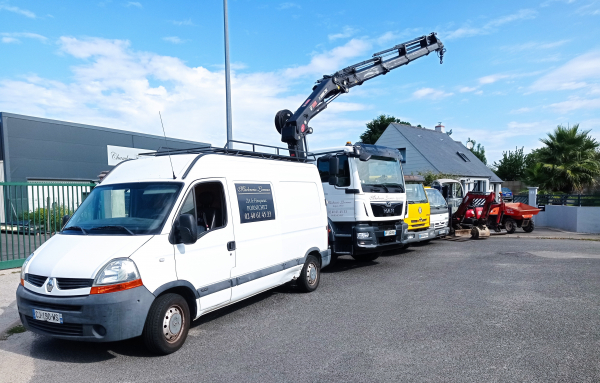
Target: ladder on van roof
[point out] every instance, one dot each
(253, 152)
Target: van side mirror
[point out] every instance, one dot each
(187, 229)
(364, 156)
(65, 219)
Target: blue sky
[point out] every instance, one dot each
(513, 70)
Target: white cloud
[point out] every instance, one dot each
(431, 93)
(575, 104)
(173, 39)
(15, 36)
(504, 76)
(134, 4)
(534, 45)
(118, 87)
(346, 32)
(575, 74)
(24, 12)
(466, 89)
(182, 22)
(489, 27)
(521, 110)
(590, 9)
(288, 6)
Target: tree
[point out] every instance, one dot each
(478, 150)
(568, 162)
(432, 176)
(376, 128)
(512, 165)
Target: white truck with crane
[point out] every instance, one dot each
(363, 184)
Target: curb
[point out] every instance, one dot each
(546, 237)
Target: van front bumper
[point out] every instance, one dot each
(95, 318)
(419, 236)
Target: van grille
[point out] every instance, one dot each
(383, 210)
(51, 306)
(74, 283)
(36, 280)
(72, 329)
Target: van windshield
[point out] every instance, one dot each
(435, 198)
(415, 193)
(380, 174)
(139, 208)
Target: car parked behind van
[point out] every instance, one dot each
(158, 244)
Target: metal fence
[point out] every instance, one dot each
(31, 213)
(568, 199)
(523, 198)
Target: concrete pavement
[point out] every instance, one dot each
(9, 280)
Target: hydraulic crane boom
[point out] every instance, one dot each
(293, 127)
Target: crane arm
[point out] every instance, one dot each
(293, 127)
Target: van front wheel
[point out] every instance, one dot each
(310, 275)
(167, 324)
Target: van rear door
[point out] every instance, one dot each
(207, 263)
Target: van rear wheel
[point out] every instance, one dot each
(167, 324)
(310, 275)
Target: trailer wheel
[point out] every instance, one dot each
(510, 225)
(167, 324)
(367, 257)
(529, 228)
(310, 275)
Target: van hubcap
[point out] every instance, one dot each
(172, 324)
(311, 273)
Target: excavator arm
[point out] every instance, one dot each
(294, 128)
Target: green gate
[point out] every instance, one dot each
(31, 213)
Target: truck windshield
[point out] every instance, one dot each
(436, 199)
(380, 174)
(415, 193)
(124, 209)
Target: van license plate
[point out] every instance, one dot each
(389, 232)
(47, 316)
(424, 235)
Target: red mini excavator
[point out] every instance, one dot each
(472, 215)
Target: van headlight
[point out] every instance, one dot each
(25, 266)
(363, 235)
(118, 274)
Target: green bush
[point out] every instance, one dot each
(47, 219)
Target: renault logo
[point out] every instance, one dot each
(420, 210)
(50, 285)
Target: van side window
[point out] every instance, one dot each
(211, 210)
(344, 176)
(189, 207)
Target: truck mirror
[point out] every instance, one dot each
(333, 180)
(188, 229)
(364, 156)
(334, 166)
(65, 219)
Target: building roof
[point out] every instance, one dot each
(441, 151)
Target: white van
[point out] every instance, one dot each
(152, 248)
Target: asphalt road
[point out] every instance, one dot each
(492, 310)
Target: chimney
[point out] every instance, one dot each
(440, 128)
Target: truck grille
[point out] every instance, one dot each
(36, 280)
(74, 283)
(383, 210)
(72, 329)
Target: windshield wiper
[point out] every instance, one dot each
(397, 186)
(75, 228)
(112, 227)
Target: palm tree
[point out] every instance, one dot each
(568, 162)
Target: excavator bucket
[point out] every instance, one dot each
(462, 233)
(480, 231)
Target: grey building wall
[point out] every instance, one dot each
(41, 148)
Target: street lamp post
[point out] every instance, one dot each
(227, 81)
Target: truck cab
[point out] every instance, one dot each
(419, 211)
(440, 215)
(366, 199)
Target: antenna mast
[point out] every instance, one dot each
(168, 150)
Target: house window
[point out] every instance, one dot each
(463, 156)
(403, 154)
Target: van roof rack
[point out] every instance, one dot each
(236, 152)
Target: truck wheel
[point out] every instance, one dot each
(510, 225)
(310, 275)
(367, 257)
(529, 228)
(167, 324)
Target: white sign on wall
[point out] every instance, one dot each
(117, 154)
